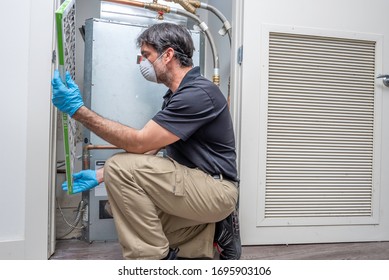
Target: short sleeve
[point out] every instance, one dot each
(186, 111)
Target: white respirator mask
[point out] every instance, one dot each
(147, 69)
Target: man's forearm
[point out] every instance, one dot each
(153, 152)
(117, 134)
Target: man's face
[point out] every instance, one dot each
(149, 53)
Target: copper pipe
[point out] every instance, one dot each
(151, 6)
(128, 2)
(100, 147)
(86, 153)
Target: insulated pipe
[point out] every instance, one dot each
(205, 29)
(203, 26)
(191, 5)
(225, 29)
(226, 24)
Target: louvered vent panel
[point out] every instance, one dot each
(320, 127)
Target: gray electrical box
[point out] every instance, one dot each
(115, 89)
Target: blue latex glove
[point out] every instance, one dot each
(66, 99)
(82, 181)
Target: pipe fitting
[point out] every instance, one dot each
(185, 4)
(157, 7)
(195, 3)
(216, 79)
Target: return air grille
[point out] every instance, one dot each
(320, 127)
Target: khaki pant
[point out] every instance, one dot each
(158, 203)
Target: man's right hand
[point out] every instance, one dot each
(82, 181)
(66, 99)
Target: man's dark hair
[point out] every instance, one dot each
(169, 35)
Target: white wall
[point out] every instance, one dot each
(25, 74)
(13, 117)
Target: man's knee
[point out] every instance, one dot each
(110, 166)
(113, 167)
(122, 165)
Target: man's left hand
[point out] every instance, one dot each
(82, 181)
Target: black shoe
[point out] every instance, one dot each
(172, 255)
(227, 238)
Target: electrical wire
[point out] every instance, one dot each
(73, 226)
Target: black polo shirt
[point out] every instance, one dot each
(198, 114)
